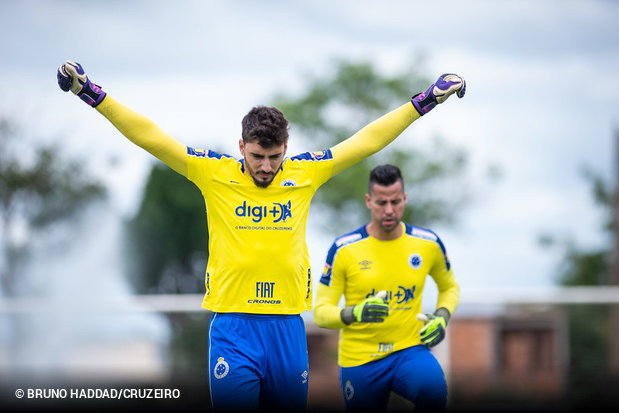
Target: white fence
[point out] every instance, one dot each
(187, 303)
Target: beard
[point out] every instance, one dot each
(261, 182)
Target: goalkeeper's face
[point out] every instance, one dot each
(262, 163)
(386, 204)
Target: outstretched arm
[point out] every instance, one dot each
(146, 134)
(135, 127)
(384, 130)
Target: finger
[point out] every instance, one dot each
(460, 93)
(422, 317)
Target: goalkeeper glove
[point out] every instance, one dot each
(438, 92)
(373, 309)
(433, 331)
(71, 76)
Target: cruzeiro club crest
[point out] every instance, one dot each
(415, 261)
(349, 390)
(221, 368)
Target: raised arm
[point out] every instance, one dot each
(384, 130)
(135, 127)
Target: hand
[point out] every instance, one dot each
(438, 92)
(71, 76)
(433, 331)
(373, 309)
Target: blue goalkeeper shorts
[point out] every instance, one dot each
(257, 362)
(413, 373)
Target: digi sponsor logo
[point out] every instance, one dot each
(402, 295)
(277, 212)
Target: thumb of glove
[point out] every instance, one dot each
(425, 317)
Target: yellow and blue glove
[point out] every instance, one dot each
(373, 309)
(433, 330)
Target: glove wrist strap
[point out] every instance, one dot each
(91, 94)
(347, 316)
(423, 102)
(443, 312)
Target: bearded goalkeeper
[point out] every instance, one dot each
(257, 279)
(381, 270)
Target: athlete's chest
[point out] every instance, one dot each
(407, 261)
(234, 196)
(399, 269)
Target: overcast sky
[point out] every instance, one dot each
(542, 97)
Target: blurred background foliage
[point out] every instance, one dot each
(39, 188)
(588, 324)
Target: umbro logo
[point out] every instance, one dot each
(365, 265)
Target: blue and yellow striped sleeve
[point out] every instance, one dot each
(330, 290)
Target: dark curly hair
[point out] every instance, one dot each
(265, 124)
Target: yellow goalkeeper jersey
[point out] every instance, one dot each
(359, 266)
(247, 271)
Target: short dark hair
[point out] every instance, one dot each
(385, 175)
(265, 124)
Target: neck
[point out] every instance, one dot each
(375, 231)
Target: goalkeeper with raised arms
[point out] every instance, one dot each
(258, 278)
(381, 270)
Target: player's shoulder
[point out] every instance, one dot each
(351, 237)
(207, 154)
(341, 242)
(421, 233)
(425, 234)
(319, 156)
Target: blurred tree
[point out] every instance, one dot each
(333, 108)
(169, 240)
(589, 333)
(37, 189)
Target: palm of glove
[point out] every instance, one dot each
(433, 331)
(372, 310)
